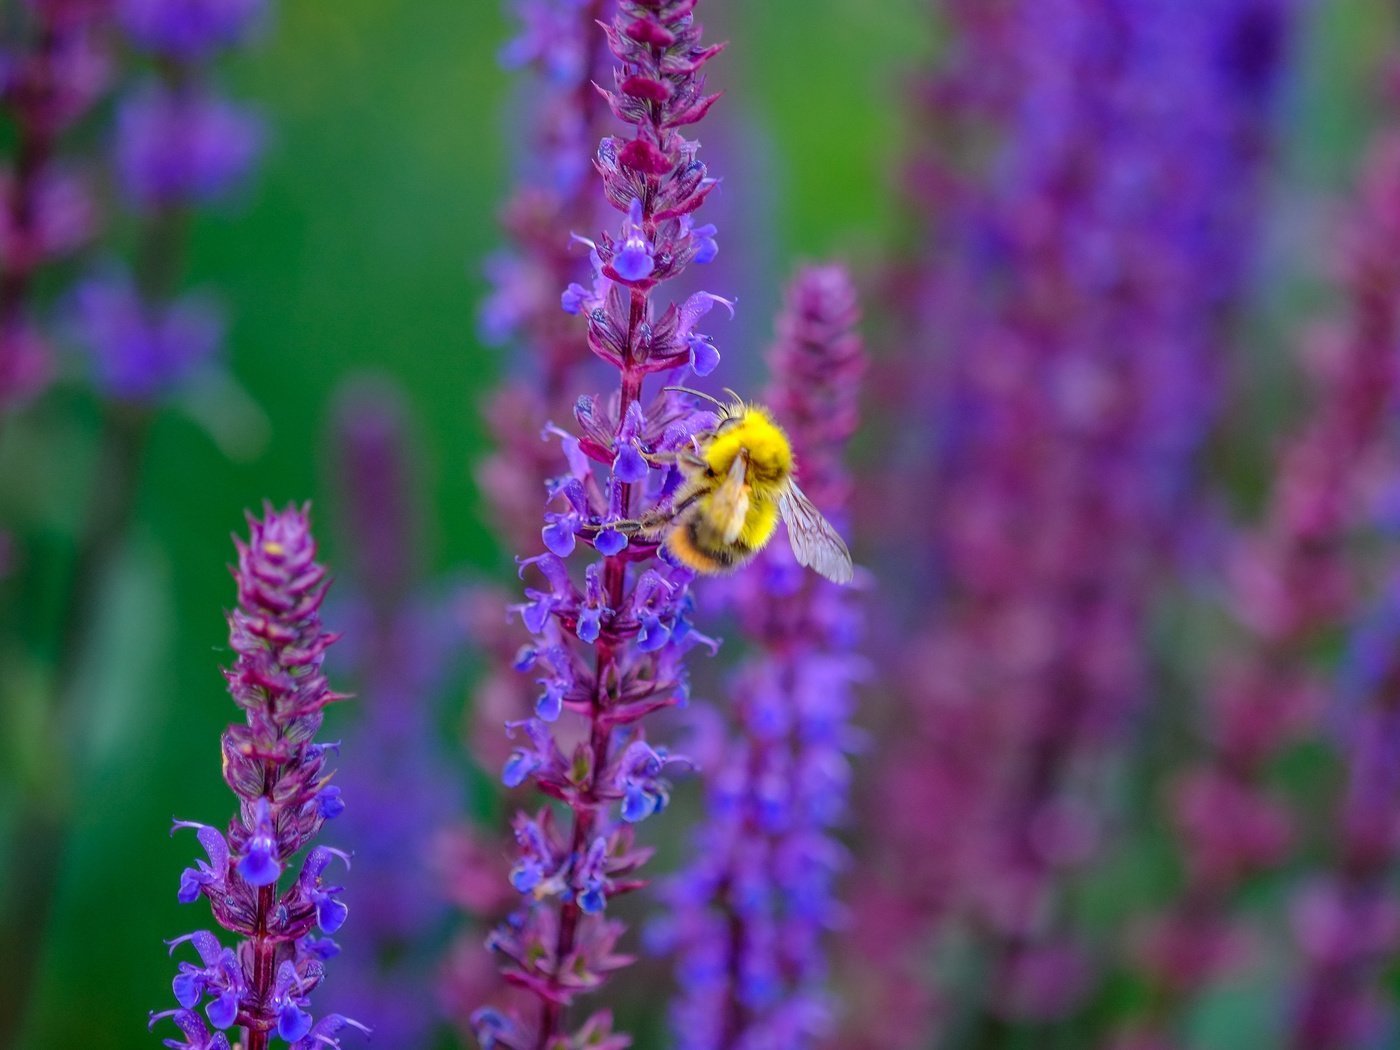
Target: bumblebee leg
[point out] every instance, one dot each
(651, 522)
(680, 457)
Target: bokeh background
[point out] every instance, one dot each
(359, 248)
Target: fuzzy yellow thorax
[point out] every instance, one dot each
(769, 451)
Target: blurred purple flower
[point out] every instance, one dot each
(1336, 480)
(55, 84)
(548, 39)
(1086, 190)
(182, 147)
(749, 916)
(272, 763)
(377, 477)
(52, 70)
(59, 218)
(1294, 579)
(399, 640)
(25, 365)
(188, 30)
(139, 351)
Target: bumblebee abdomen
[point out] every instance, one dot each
(698, 546)
(760, 523)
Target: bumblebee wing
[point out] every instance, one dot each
(729, 506)
(815, 542)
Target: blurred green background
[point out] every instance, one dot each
(359, 247)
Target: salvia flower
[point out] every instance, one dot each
(586, 608)
(749, 917)
(278, 772)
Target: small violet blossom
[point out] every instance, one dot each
(182, 147)
(140, 351)
(188, 30)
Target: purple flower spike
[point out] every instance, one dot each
(1346, 917)
(748, 918)
(399, 640)
(273, 765)
(611, 623)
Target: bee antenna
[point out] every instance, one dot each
(734, 394)
(701, 394)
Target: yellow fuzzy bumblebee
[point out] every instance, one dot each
(736, 484)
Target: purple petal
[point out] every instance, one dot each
(704, 358)
(259, 868)
(223, 1011)
(188, 987)
(549, 705)
(558, 536)
(609, 542)
(628, 464)
(519, 766)
(330, 913)
(293, 1022)
(633, 262)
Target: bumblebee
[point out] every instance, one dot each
(736, 485)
